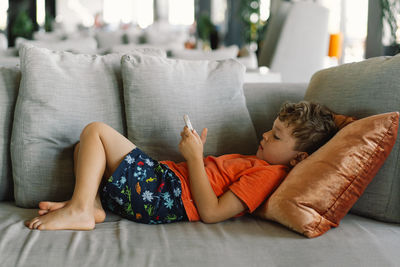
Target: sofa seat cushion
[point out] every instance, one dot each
(363, 89)
(244, 241)
(159, 91)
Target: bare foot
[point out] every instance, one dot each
(66, 218)
(48, 206)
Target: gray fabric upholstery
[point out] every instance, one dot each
(245, 241)
(60, 94)
(9, 84)
(265, 99)
(363, 89)
(159, 91)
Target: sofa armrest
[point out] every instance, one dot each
(264, 100)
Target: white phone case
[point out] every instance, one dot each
(187, 122)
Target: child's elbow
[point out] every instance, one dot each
(209, 220)
(210, 217)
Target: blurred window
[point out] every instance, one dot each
(181, 12)
(350, 18)
(355, 29)
(264, 9)
(218, 11)
(3, 14)
(127, 11)
(144, 12)
(40, 12)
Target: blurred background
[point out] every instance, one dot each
(355, 29)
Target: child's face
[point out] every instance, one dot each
(277, 145)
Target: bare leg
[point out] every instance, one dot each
(49, 206)
(101, 149)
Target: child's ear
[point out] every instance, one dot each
(299, 157)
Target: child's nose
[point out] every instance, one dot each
(265, 136)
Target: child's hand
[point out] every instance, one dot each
(191, 145)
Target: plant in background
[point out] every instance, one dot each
(391, 16)
(253, 25)
(48, 22)
(205, 28)
(23, 26)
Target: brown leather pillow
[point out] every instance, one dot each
(319, 191)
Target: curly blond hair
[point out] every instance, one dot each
(312, 124)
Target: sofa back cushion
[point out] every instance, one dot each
(60, 94)
(363, 89)
(159, 91)
(264, 101)
(9, 84)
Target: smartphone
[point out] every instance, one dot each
(187, 122)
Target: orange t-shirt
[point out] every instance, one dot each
(252, 180)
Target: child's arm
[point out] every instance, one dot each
(211, 208)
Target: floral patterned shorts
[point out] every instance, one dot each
(143, 190)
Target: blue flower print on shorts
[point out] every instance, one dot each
(143, 190)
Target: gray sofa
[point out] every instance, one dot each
(368, 236)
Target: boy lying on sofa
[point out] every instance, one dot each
(210, 189)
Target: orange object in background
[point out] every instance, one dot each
(190, 45)
(335, 45)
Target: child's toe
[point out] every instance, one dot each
(32, 222)
(43, 205)
(43, 212)
(36, 224)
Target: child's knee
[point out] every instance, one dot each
(93, 127)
